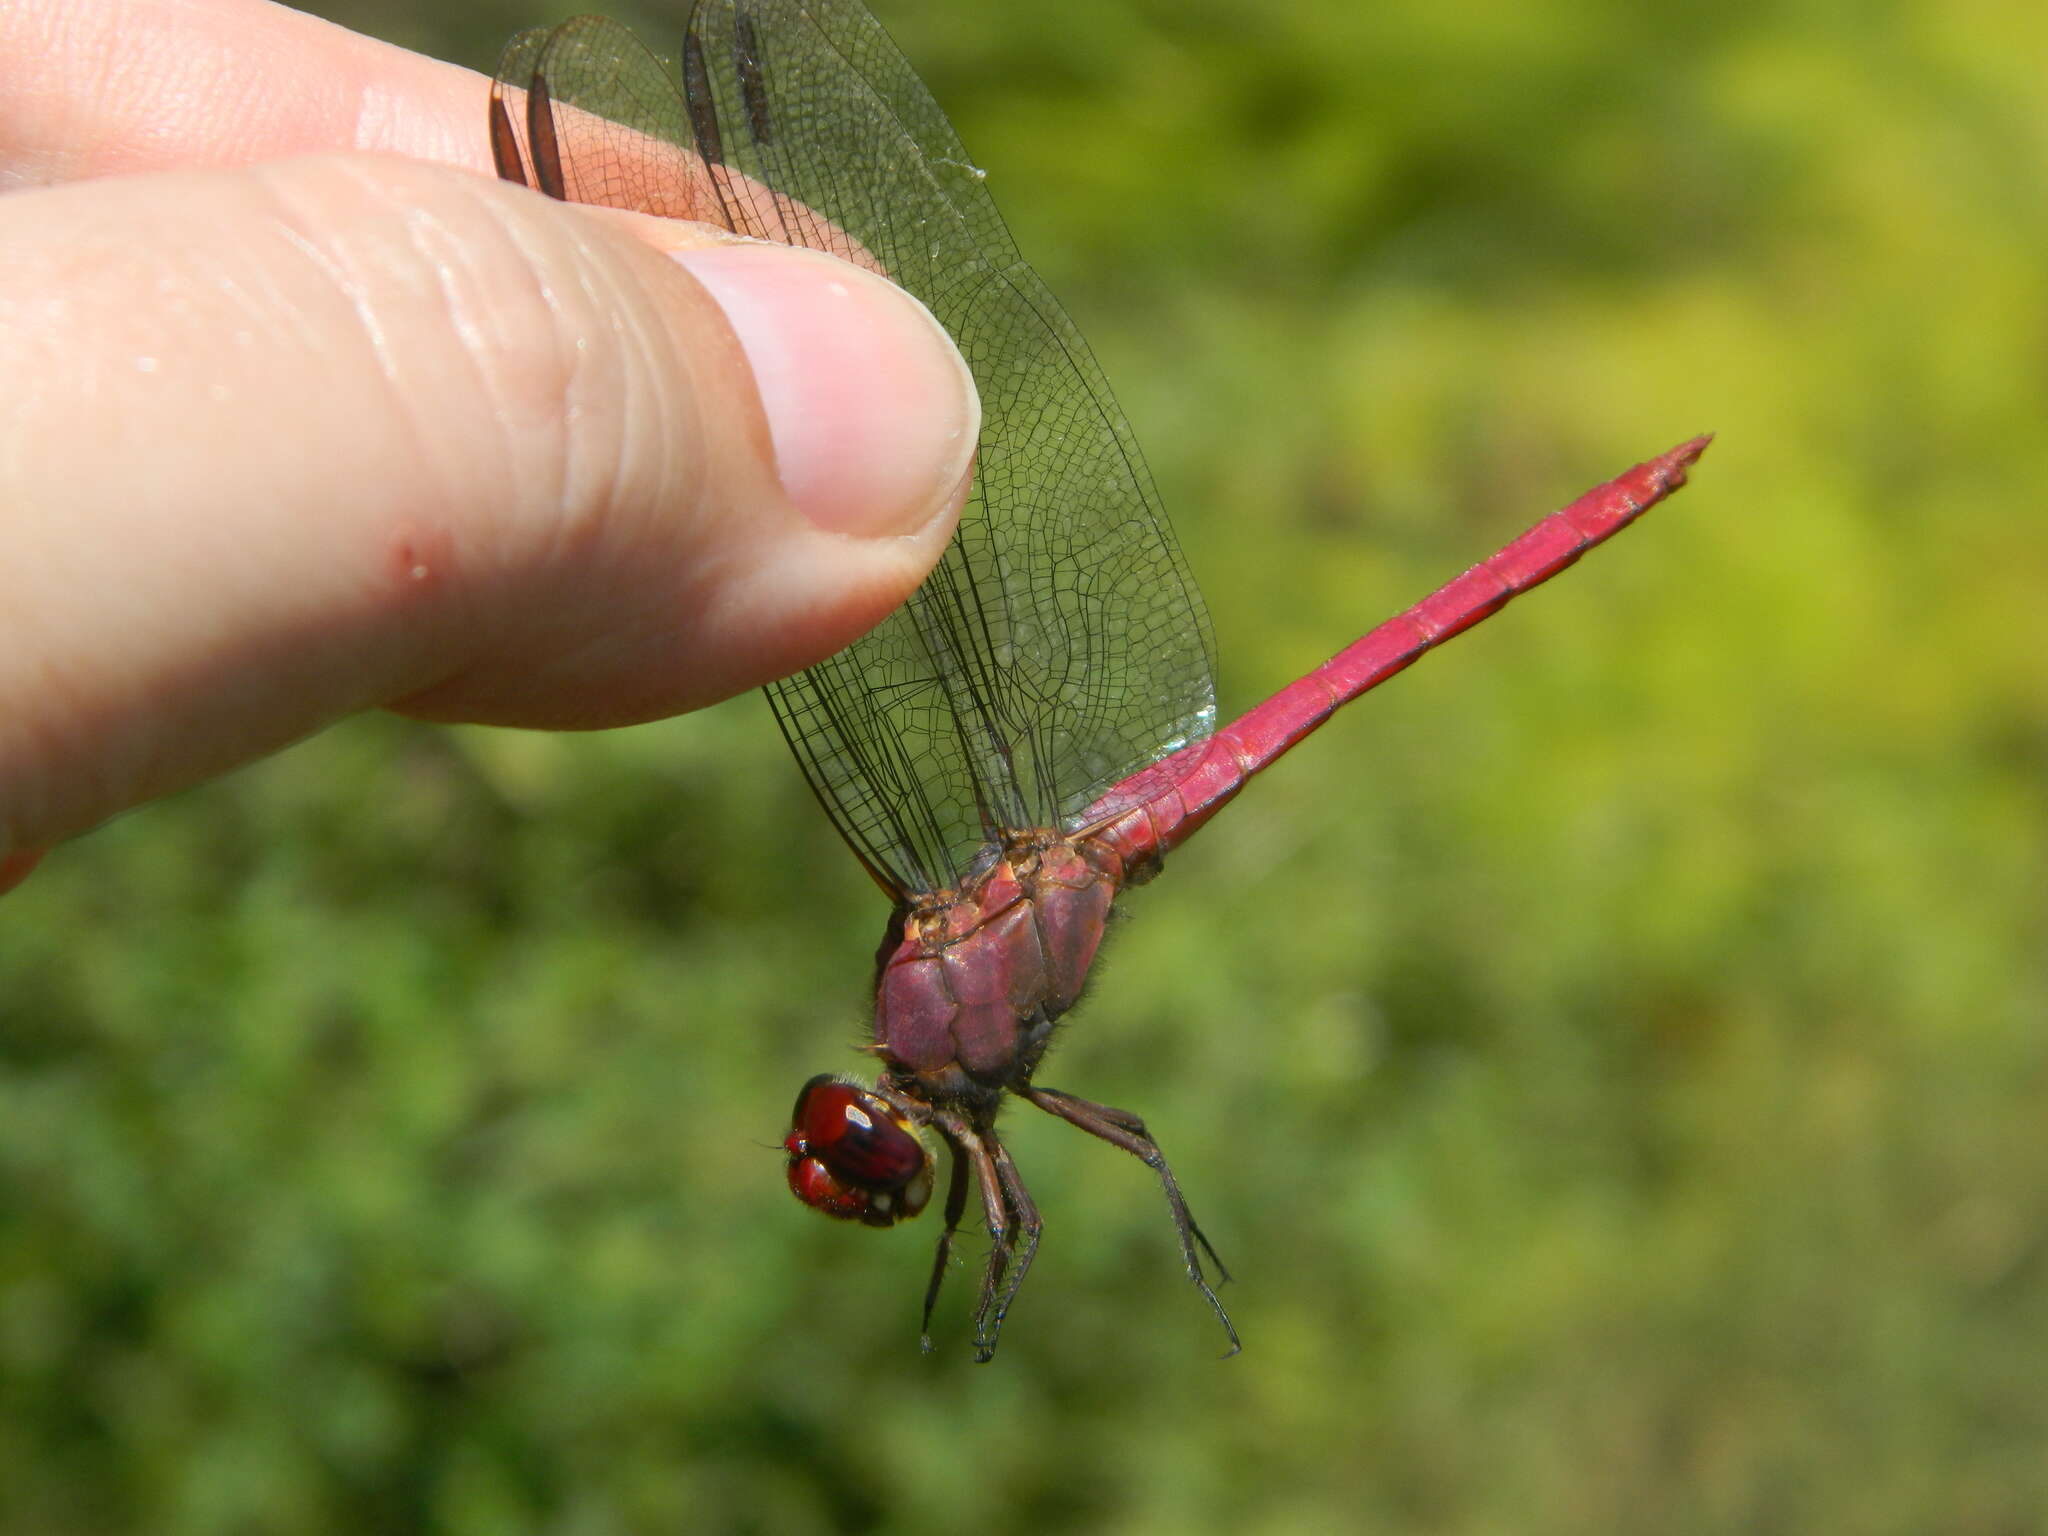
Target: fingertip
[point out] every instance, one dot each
(801, 447)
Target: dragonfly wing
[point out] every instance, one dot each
(1061, 643)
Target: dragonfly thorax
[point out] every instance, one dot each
(967, 997)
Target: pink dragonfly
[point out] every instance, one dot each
(1036, 728)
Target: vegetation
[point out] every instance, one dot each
(1613, 1059)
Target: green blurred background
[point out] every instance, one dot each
(1614, 1059)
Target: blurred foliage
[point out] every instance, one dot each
(1615, 1059)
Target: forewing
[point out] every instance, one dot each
(1061, 643)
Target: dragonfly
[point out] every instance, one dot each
(1035, 729)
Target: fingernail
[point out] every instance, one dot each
(870, 405)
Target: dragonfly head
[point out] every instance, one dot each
(855, 1154)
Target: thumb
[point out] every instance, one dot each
(281, 444)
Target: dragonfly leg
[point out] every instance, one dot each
(956, 1205)
(1134, 1127)
(1121, 1128)
(995, 1206)
(1024, 1244)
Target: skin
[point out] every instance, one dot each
(302, 412)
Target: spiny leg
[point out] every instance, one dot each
(1028, 1227)
(1121, 1128)
(1002, 1235)
(1129, 1123)
(956, 1205)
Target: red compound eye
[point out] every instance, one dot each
(854, 1155)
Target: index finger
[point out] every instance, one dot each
(123, 86)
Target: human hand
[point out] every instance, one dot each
(286, 438)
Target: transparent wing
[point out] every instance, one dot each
(1061, 643)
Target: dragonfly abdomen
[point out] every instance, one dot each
(1162, 806)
